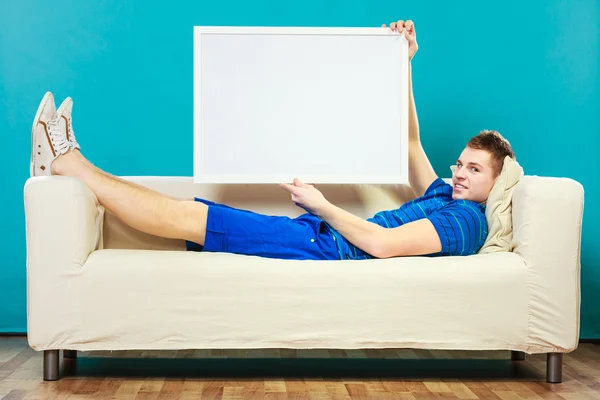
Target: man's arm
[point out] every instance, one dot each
(420, 172)
(415, 238)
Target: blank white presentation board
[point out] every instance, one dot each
(325, 105)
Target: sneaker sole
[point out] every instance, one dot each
(36, 121)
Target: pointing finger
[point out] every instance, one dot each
(298, 183)
(288, 187)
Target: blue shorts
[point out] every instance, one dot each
(231, 230)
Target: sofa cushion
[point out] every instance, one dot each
(187, 300)
(498, 211)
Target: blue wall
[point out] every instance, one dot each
(528, 69)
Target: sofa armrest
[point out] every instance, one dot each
(63, 226)
(547, 220)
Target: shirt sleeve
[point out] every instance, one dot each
(439, 188)
(434, 185)
(462, 228)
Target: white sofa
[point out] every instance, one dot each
(95, 284)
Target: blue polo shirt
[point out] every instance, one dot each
(460, 224)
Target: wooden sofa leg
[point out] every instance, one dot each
(517, 355)
(51, 365)
(554, 363)
(70, 353)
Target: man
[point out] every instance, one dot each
(443, 220)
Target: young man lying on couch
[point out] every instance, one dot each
(444, 219)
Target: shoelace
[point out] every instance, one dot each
(57, 137)
(72, 133)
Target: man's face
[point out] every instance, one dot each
(473, 177)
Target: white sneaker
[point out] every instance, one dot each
(47, 140)
(65, 112)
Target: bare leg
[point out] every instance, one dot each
(137, 206)
(129, 183)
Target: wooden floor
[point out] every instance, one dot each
(296, 374)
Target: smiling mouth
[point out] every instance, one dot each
(458, 186)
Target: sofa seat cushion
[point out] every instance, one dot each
(145, 299)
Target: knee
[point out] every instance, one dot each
(191, 217)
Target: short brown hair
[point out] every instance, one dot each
(495, 144)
